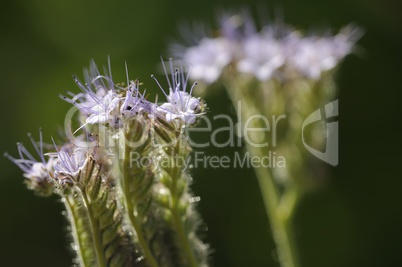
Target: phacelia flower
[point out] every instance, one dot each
(275, 49)
(135, 102)
(310, 56)
(98, 101)
(262, 55)
(181, 104)
(344, 41)
(208, 58)
(313, 55)
(106, 109)
(37, 172)
(69, 164)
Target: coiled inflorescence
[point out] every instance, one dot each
(123, 213)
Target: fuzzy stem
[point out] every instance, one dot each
(177, 221)
(184, 239)
(95, 230)
(279, 213)
(176, 173)
(73, 224)
(130, 211)
(280, 221)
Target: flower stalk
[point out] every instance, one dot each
(278, 209)
(136, 186)
(80, 239)
(276, 72)
(124, 211)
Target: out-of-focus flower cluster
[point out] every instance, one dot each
(276, 51)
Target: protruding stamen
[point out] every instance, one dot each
(159, 85)
(38, 149)
(125, 64)
(166, 74)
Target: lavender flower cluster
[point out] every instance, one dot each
(103, 102)
(123, 214)
(276, 51)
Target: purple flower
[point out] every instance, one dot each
(105, 110)
(36, 171)
(69, 163)
(98, 100)
(208, 58)
(181, 105)
(135, 102)
(262, 55)
(311, 56)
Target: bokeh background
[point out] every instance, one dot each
(356, 220)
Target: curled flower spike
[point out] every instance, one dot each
(181, 104)
(37, 172)
(122, 213)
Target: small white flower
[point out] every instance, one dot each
(312, 55)
(98, 101)
(40, 170)
(345, 40)
(86, 101)
(208, 58)
(69, 164)
(134, 102)
(262, 56)
(94, 89)
(28, 164)
(181, 105)
(105, 110)
(277, 47)
(37, 172)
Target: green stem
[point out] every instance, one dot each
(74, 230)
(279, 214)
(184, 239)
(176, 173)
(95, 231)
(280, 221)
(130, 211)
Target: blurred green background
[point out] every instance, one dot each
(355, 221)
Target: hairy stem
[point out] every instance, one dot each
(281, 222)
(95, 230)
(176, 174)
(74, 230)
(130, 211)
(184, 239)
(279, 213)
